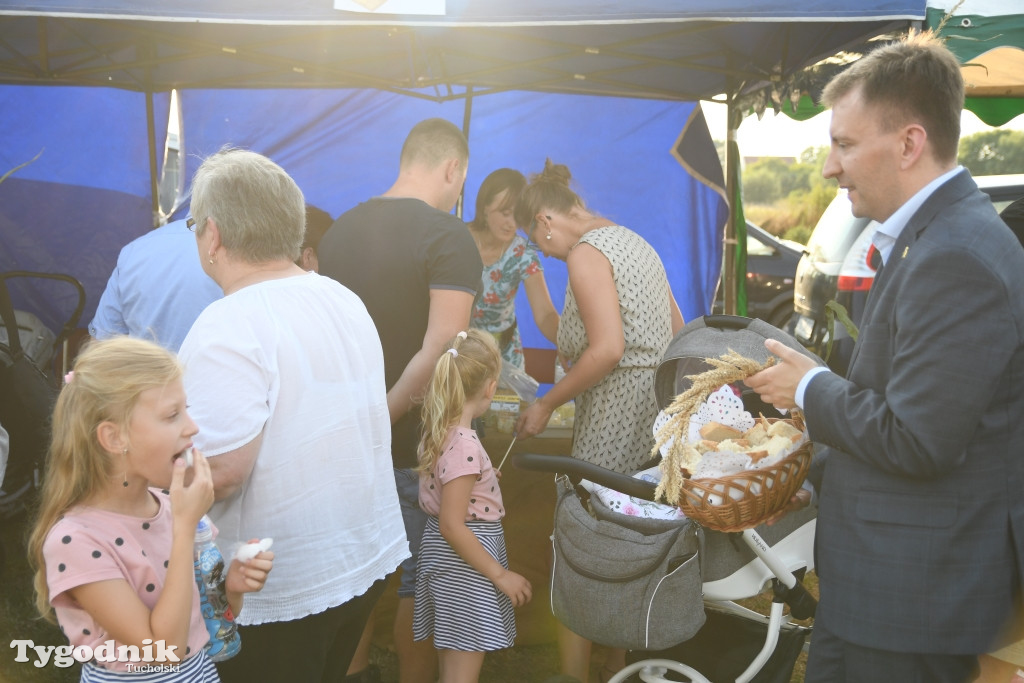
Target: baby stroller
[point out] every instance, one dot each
(665, 588)
(28, 386)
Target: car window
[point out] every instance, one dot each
(835, 232)
(757, 247)
(1003, 190)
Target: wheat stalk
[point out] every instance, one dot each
(727, 368)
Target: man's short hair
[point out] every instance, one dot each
(433, 142)
(913, 80)
(318, 222)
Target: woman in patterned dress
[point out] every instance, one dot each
(508, 260)
(618, 320)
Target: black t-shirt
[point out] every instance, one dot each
(391, 252)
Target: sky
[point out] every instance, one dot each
(779, 135)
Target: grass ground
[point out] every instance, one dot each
(18, 620)
(18, 617)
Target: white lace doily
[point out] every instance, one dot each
(722, 406)
(716, 464)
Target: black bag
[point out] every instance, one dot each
(27, 395)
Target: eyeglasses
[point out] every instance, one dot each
(191, 223)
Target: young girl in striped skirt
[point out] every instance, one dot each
(464, 590)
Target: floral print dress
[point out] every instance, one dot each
(495, 310)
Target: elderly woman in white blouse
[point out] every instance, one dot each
(285, 378)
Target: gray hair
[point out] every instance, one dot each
(259, 210)
(433, 142)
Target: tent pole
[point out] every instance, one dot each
(154, 190)
(735, 251)
(731, 174)
(467, 114)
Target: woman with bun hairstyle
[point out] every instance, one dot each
(618, 320)
(508, 261)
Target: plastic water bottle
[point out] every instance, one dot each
(211, 572)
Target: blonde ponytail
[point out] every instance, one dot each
(470, 361)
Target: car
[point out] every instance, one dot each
(771, 272)
(836, 266)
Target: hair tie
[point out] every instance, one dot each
(454, 352)
(462, 334)
(69, 377)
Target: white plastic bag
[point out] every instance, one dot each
(518, 381)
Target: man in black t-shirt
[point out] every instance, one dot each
(417, 270)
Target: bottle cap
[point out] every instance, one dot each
(204, 531)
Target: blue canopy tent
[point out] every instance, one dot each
(330, 94)
(66, 212)
(620, 152)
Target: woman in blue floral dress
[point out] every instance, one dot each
(508, 260)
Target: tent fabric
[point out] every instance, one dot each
(72, 209)
(697, 153)
(649, 49)
(995, 111)
(87, 195)
(659, 49)
(987, 36)
(476, 12)
(342, 147)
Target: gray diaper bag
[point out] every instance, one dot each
(632, 583)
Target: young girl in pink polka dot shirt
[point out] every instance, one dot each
(112, 546)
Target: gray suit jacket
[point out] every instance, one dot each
(920, 534)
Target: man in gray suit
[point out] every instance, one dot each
(921, 482)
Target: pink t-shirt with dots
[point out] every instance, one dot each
(463, 454)
(89, 545)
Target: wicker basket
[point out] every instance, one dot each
(746, 499)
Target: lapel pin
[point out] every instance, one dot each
(905, 250)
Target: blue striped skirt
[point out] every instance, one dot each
(196, 669)
(455, 603)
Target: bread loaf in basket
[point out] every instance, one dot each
(776, 451)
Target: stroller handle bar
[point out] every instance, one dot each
(576, 468)
(727, 322)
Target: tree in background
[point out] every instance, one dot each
(993, 152)
(787, 199)
(769, 179)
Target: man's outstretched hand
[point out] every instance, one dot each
(777, 384)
